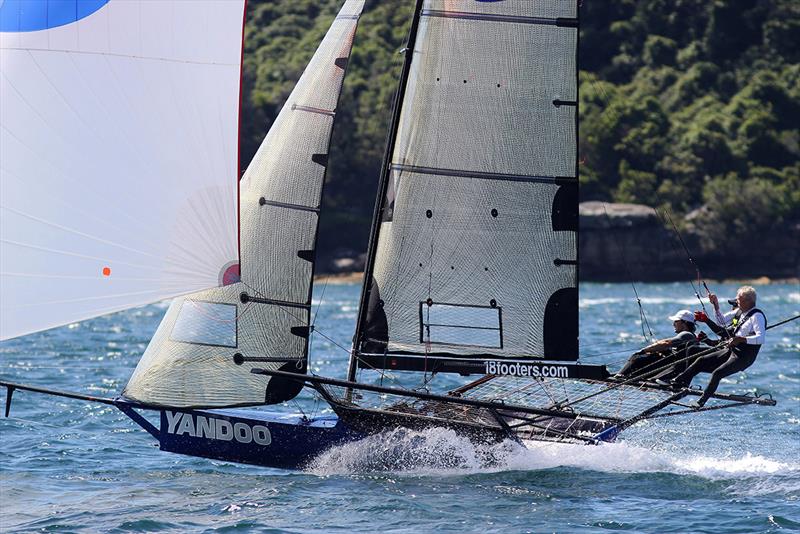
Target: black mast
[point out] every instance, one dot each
(382, 186)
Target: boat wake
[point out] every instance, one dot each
(401, 449)
(442, 451)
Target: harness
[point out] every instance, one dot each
(745, 350)
(740, 318)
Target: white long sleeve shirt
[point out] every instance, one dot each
(753, 329)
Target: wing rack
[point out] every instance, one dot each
(542, 409)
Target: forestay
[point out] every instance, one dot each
(118, 154)
(198, 355)
(475, 248)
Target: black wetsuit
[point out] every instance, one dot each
(723, 362)
(682, 361)
(651, 362)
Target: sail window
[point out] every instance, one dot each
(206, 323)
(459, 324)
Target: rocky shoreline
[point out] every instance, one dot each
(624, 242)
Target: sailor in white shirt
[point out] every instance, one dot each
(748, 326)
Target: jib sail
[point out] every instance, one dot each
(474, 248)
(199, 355)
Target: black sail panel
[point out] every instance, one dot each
(478, 257)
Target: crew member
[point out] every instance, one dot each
(661, 351)
(748, 333)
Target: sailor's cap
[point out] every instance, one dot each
(682, 315)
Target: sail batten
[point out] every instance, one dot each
(491, 17)
(475, 245)
(456, 173)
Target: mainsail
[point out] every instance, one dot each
(199, 355)
(118, 154)
(474, 248)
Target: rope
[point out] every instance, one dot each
(642, 375)
(642, 315)
(299, 319)
(321, 298)
(314, 318)
(606, 353)
(316, 331)
(696, 289)
(603, 343)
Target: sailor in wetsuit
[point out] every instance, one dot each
(661, 352)
(747, 331)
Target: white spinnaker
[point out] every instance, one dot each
(118, 159)
(191, 360)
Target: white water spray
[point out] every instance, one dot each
(442, 452)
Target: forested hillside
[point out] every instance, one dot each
(684, 104)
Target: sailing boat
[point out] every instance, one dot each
(472, 263)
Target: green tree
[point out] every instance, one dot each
(659, 50)
(739, 211)
(636, 186)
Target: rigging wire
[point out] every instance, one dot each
(331, 340)
(605, 353)
(642, 315)
(718, 315)
(321, 298)
(666, 218)
(287, 311)
(297, 405)
(634, 341)
(383, 372)
(314, 318)
(608, 116)
(395, 286)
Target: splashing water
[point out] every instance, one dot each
(401, 449)
(444, 452)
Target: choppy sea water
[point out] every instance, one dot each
(70, 466)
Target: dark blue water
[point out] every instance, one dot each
(71, 466)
